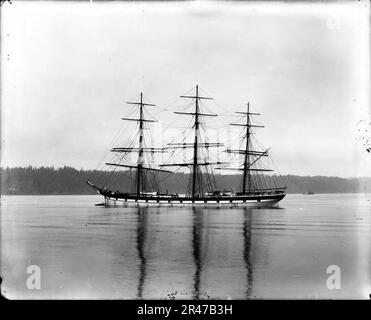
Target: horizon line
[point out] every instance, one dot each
(82, 169)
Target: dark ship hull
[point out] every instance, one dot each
(256, 199)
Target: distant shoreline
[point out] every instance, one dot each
(70, 181)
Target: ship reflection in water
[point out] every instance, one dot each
(141, 234)
(186, 253)
(199, 243)
(197, 251)
(247, 251)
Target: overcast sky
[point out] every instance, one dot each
(68, 68)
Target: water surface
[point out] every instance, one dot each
(88, 252)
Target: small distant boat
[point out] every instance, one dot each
(254, 190)
(309, 193)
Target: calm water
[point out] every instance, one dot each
(85, 251)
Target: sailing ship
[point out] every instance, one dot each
(202, 186)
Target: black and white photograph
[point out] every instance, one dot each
(186, 150)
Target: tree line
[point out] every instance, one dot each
(66, 180)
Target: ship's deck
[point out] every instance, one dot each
(266, 194)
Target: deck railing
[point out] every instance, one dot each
(270, 191)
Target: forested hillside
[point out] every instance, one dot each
(67, 180)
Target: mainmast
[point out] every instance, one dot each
(195, 144)
(195, 172)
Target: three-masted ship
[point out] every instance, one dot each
(202, 187)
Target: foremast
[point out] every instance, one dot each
(140, 168)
